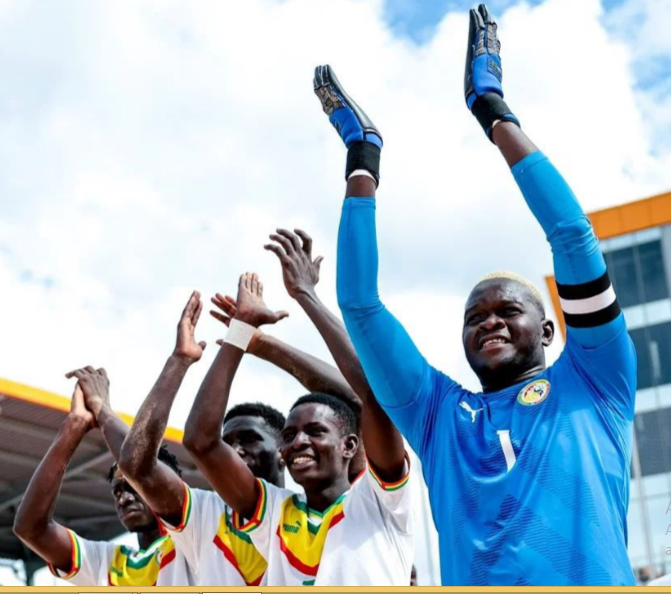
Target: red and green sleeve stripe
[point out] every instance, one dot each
(186, 509)
(75, 559)
(259, 513)
(392, 486)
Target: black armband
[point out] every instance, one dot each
(489, 108)
(364, 155)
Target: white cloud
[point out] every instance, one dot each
(645, 21)
(643, 25)
(149, 148)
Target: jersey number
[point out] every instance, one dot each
(507, 447)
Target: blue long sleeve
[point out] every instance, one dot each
(590, 307)
(396, 370)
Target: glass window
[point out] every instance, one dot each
(655, 286)
(622, 271)
(653, 349)
(645, 376)
(631, 266)
(653, 436)
(660, 351)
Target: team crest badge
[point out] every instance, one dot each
(534, 393)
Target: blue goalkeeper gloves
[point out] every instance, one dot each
(482, 79)
(357, 131)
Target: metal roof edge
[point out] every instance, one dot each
(46, 399)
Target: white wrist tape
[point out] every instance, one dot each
(239, 334)
(362, 172)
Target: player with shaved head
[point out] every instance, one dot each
(529, 477)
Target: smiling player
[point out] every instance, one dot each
(199, 521)
(529, 478)
(338, 533)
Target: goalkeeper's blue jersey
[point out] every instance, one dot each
(529, 485)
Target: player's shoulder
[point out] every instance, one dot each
(607, 373)
(368, 481)
(274, 495)
(81, 544)
(206, 497)
(617, 353)
(567, 373)
(446, 389)
(207, 505)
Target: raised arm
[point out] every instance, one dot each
(95, 385)
(34, 523)
(222, 466)
(397, 372)
(156, 482)
(314, 374)
(383, 443)
(590, 307)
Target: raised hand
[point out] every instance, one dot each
(78, 409)
(483, 61)
(94, 385)
(294, 251)
(483, 73)
(186, 347)
(251, 308)
(346, 116)
(362, 139)
(228, 305)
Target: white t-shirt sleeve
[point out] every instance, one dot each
(396, 498)
(262, 526)
(199, 516)
(91, 559)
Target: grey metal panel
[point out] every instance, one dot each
(666, 252)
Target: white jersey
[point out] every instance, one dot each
(217, 553)
(101, 563)
(665, 580)
(365, 538)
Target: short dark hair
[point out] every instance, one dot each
(164, 455)
(273, 417)
(342, 409)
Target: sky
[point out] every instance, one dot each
(149, 148)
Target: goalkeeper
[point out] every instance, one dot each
(529, 478)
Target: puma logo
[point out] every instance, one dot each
(293, 529)
(467, 407)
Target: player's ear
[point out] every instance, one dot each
(280, 460)
(350, 445)
(548, 332)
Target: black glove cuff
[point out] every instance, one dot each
(491, 107)
(363, 155)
